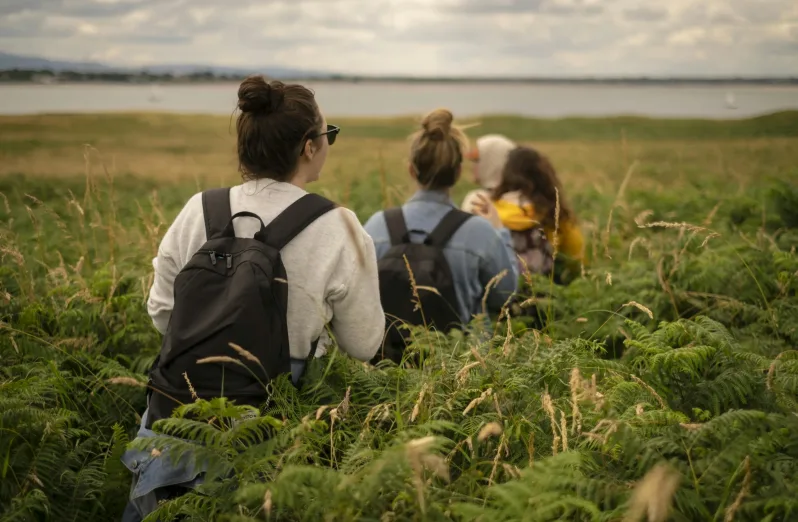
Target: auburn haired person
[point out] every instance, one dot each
(255, 273)
(529, 195)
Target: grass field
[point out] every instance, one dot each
(667, 374)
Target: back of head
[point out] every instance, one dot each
(532, 174)
(492, 151)
(276, 120)
(436, 150)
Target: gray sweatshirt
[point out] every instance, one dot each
(331, 268)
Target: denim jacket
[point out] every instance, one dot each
(476, 253)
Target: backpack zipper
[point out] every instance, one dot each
(215, 255)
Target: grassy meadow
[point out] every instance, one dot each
(663, 384)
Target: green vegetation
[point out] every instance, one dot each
(667, 374)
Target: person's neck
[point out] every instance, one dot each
(444, 191)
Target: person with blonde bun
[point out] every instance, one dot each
(478, 249)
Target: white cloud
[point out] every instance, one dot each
(423, 37)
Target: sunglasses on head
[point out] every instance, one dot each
(331, 132)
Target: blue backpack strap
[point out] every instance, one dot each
(216, 211)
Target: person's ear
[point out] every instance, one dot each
(309, 150)
(412, 170)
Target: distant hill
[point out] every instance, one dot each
(14, 61)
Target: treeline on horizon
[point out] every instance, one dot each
(49, 76)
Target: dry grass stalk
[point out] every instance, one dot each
(651, 390)
(708, 220)
(383, 408)
(221, 359)
(548, 407)
(556, 243)
(491, 429)
(641, 218)
(462, 374)
(564, 430)
(653, 495)
(640, 307)
(692, 426)
(127, 381)
(511, 470)
(190, 387)
(496, 406)
(413, 285)
(682, 225)
(476, 402)
(508, 338)
(609, 279)
(5, 203)
(710, 236)
(479, 358)
(321, 411)
(417, 405)
(493, 282)
(772, 369)
(639, 240)
(744, 491)
(419, 456)
(639, 409)
(497, 458)
(577, 392)
(245, 354)
(530, 448)
(343, 406)
(267, 502)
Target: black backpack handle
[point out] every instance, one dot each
(230, 232)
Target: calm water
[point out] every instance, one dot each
(385, 99)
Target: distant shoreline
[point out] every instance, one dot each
(50, 77)
(436, 81)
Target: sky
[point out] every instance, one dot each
(418, 37)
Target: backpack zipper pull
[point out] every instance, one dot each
(213, 257)
(229, 260)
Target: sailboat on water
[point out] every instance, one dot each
(731, 103)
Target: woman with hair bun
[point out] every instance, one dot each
(476, 249)
(329, 263)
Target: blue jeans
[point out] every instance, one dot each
(157, 478)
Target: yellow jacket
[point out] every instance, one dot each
(519, 217)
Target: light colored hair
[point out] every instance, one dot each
(492, 150)
(437, 150)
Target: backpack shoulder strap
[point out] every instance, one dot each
(450, 223)
(295, 219)
(216, 210)
(397, 228)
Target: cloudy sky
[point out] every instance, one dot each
(421, 37)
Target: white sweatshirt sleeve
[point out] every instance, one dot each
(167, 264)
(358, 321)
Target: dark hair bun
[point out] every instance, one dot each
(256, 95)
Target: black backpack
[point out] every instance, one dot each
(232, 290)
(430, 271)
